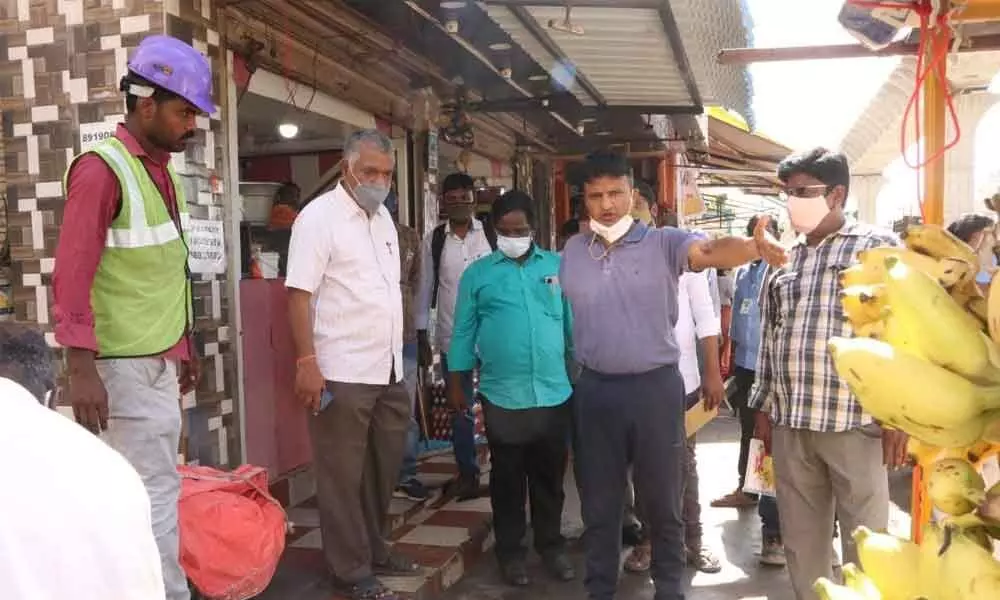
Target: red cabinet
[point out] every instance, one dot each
(276, 433)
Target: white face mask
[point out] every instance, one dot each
(806, 213)
(612, 233)
(513, 247)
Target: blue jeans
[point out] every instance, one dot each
(408, 472)
(463, 426)
(767, 508)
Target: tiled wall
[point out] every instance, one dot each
(60, 63)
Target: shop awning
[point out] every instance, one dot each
(737, 157)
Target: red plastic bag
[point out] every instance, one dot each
(232, 531)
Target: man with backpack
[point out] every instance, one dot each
(447, 252)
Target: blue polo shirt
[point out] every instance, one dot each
(517, 317)
(745, 327)
(624, 301)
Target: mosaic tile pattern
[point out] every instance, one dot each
(61, 62)
(444, 537)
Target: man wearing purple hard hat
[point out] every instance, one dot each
(123, 304)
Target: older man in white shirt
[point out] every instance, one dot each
(346, 313)
(76, 523)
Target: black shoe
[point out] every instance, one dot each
(466, 487)
(632, 535)
(515, 573)
(559, 566)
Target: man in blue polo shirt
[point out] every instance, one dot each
(629, 401)
(511, 308)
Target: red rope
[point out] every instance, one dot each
(926, 65)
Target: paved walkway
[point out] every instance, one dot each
(734, 535)
(453, 543)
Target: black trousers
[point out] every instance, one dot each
(528, 469)
(743, 381)
(638, 420)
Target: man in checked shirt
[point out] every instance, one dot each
(828, 453)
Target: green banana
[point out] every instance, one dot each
(946, 334)
(828, 590)
(861, 583)
(906, 392)
(967, 570)
(954, 487)
(892, 563)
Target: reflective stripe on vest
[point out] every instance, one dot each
(139, 234)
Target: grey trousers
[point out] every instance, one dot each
(358, 443)
(816, 474)
(639, 419)
(145, 427)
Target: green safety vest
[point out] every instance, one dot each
(141, 294)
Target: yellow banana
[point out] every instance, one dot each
(892, 563)
(929, 560)
(967, 570)
(946, 272)
(903, 390)
(946, 334)
(863, 304)
(938, 242)
(993, 308)
(897, 334)
(828, 590)
(860, 274)
(922, 453)
(954, 487)
(861, 583)
(874, 330)
(925, 454)
(967, 295)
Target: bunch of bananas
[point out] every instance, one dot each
(946, 565)
(925, 359)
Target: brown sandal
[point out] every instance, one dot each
(639, 559)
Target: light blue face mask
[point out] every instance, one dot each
(985, 276)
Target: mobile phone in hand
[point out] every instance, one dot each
(325, 398)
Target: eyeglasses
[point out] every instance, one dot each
(804, 191)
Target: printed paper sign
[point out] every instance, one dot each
(206, 242)
(92, 134)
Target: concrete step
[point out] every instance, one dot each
(446, 538)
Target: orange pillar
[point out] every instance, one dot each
(932, 208)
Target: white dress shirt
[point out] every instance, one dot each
(74, 515)
(349, 262)
(456, 256)
(696, 319)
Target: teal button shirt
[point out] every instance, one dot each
(513, 316)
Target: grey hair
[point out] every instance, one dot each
(372, 137)
(26, 359)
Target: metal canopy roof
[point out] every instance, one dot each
(657, 54)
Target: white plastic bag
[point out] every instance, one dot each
(760, 471)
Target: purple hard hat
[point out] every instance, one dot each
(176, 67)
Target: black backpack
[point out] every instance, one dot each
(437, 247)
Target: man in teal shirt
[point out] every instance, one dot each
(512, 318)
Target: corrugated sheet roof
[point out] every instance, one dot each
(626, 55)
